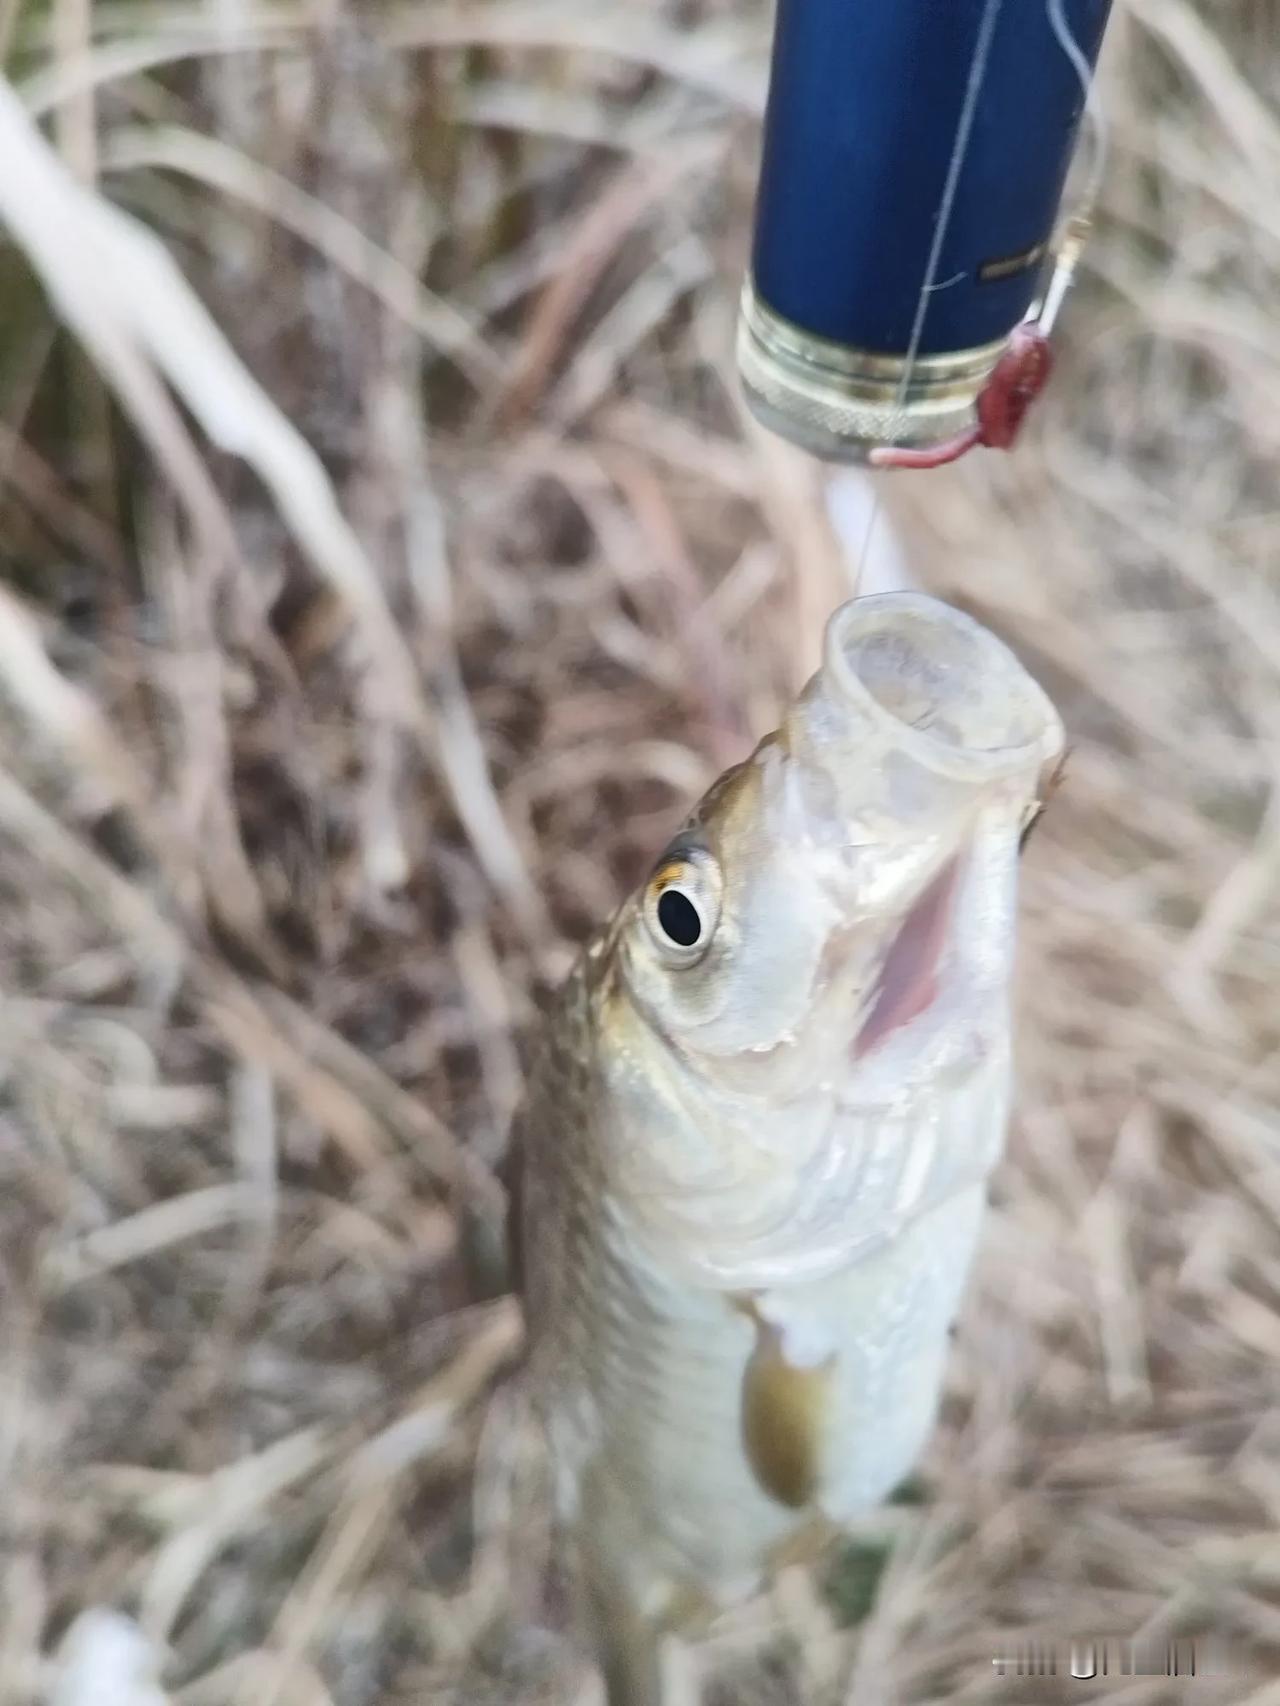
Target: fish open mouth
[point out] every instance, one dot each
(938, 687)
(908, 980)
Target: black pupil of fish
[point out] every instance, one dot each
(679, 918)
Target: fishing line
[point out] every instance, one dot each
(959, 153)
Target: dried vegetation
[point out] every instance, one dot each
(384, 561)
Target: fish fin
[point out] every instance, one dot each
(1048, 788)
(643, 1659)
(806, 1547)
(630, 1609)
(786, 1408)
(631, 1650)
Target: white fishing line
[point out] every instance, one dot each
(942, 226)
(959, 154)
(851, 496)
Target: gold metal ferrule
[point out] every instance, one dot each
(839, 402)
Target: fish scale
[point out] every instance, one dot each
(759, 1122)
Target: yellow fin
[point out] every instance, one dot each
(785, 1409)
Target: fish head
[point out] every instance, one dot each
(830, 931)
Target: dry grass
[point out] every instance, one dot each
(354, 657)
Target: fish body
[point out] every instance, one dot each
(760, 1121)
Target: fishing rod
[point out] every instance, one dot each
(909, 254)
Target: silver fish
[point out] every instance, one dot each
(760, 1122)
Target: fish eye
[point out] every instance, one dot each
(679, 918)
(682, 905)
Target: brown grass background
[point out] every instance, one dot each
(359, 642)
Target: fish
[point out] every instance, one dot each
(760, 1119)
